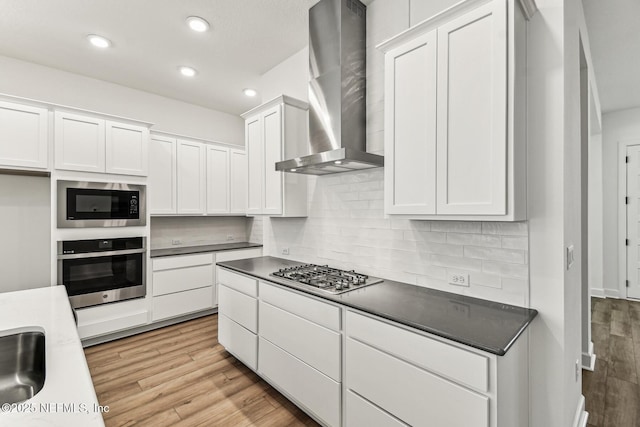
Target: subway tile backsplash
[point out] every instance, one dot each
(346, 228)
(198, 230)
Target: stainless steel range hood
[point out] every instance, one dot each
(337, 92)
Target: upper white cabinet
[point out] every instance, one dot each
(190, 177)
(454, 122)
(162, 191)
(238, 184)
(90, 144)
(218, 177)
(127, 149)
(276, 131)
(23, 136)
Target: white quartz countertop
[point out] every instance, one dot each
(68, 398)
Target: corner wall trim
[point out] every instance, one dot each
(598, 293)
(589, 359)
(581, 417)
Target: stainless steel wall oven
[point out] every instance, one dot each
(103, 270)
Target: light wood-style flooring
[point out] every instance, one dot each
(180, 376)
(612, 390)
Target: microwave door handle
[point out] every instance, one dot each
(101, 254)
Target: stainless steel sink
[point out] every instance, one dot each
(22, 366)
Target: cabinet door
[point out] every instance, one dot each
(79, 142)
(127, 149)
(217, 180)
(255, 172)
(272, 136)
(191, 177)
(238, 176)
(472, 113)
(410, 128)
(23, 136)
(162, 175)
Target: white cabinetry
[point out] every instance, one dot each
(424, 381)
(162, 190)
(454, 122)
(238, 184)
(92, 144)
(181, 285)
(190, 177)
(23, 136)
(276, 131)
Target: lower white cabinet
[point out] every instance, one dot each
(109, 318)
(316, 392)
(345, 367)
(239, 341)
(181, 303)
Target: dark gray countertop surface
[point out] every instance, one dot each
(185, 250)
(482, 324)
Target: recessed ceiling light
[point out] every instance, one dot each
(98, 41)
(338, 162)
(250, 92)
(294, 170)
(197, 24)
(187, 71)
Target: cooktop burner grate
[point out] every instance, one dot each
(326, 278)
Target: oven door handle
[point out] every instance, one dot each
(102, 254)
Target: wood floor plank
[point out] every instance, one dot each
(622, 363)
(181, 375)
(620, 323)
(600, 336)
(621, 404)
(594, 390)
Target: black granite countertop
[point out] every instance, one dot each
(185, 250)
(486, 325)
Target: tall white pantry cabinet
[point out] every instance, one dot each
(455, 115)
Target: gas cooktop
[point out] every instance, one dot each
(325, 278)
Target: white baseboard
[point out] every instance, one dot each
(581, 417)
(589, 359)
(598, 293)
(612, 293)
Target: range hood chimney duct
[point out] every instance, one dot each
(337, 91)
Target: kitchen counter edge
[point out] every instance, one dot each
(197, 249)
(499, 351)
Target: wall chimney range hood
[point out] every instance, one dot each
(337, 92)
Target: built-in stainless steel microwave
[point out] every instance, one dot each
(100, 204)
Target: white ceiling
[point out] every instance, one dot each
(614, 34)
(151, 39)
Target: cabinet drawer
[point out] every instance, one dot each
(303, 339)
(316, 311)
(180, 303)
(411, 394)
(313, 390)
(238, 254)
(361, 413)
(246, 285)
(181, 261)
(182, 279)
(460, 365)
(238, 341)
(238, 307)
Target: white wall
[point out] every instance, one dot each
(25, 218)
(29, 80)
(596, 221)
(616, 126)
(290, 77)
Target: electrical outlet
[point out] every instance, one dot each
(458, 279)
(176, 242)
(285, 251)
(230, 238)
